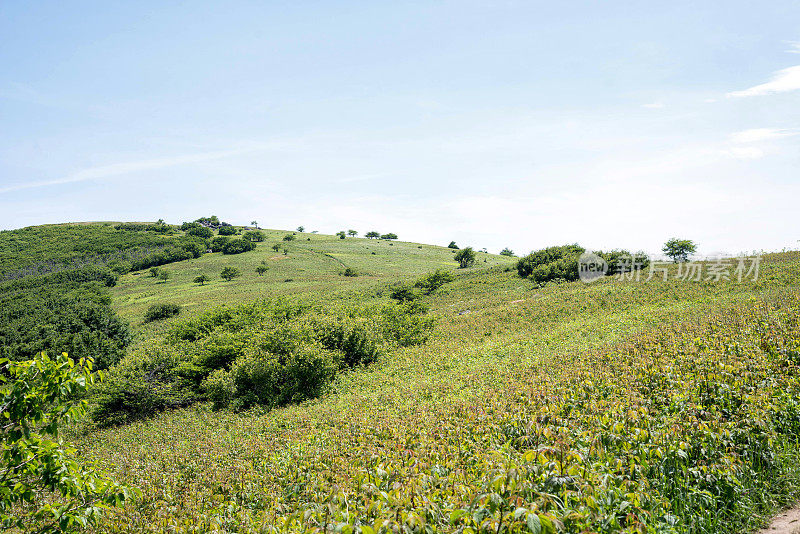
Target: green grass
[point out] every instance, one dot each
(446, 427)
(312, 269)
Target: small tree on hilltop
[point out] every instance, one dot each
(301, 229)
(229, 273)
(389, 236)
(465, 257)
(202, 279)
(255, 224)
(453, 245)
(507, 252)
(679, 249)
(372, 235)
(340, 234)
(352, 233)
(288, 237)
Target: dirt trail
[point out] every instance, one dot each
(787, 522)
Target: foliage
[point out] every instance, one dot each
(341, 234)
(227, 230)
(349, 271)
(161, 311)
(372, 235)
(465, 257)
(66, 311)
(201, 279)
(159, 227)
(389, 236)
(301, 229)
(352, 233)
(403, 293)
(552, 263)
(254, 235)
(453, 245)
(237, 246)
(507, 252)
(201, 232)
(229, 273)
(276, 247)
(679, 249)
(163, 275)
(217, 244)
(268, 353)
(433, 281)
(213, 220)
(289, 237)
(261, 269)
(46, 486)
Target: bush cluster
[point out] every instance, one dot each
(560, 263)
(161, 311)
(268, 353)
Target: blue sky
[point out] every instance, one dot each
(502, 123)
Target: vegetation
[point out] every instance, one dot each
(372, 235)
(390, 236)
(560, 263)
(352, 233)
(289, 237)
(507, 252)
(465, 257)
(261, 269)
(254, 235)
(349, 271)
(679, 249)
(453, 245)
(201, 279)
(46, 486)
(229, 273)
(238, 246)
(161, 311)
(202, 232)
(227, 231)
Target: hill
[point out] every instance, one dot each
(468, 400)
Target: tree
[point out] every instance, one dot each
(254, 235)
(46, 486)
(288, 237)
(507, 252)
(254, 223)
(201, 232)
(372, 235)
(218, 243)
(154, 271)
(202, 279)
(389, 236)
(352, 233)
(163, 275)
(341, 234)
(276, 247)
(229, 273)
(228, 230)
(452, 245)
(237, 246)
(301, 229)
(679, 249)
(465, 257)
(261, 269)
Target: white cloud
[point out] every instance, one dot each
(795, 47)
(756, 135)
(745, 152)
(782, 81)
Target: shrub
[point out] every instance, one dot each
(465, 257)
(403, 293)
(453, 245)
(389, 236)
(341, 234)
(47, 486)
(551, 263)
(202, 279)
(163, 275)
(229, 273)
(161, 311)
(433, 281)
(679, 249)
(154, 271)
(218, 243)
(227, 230)
(254, 235)
(237, 246)
(288, 237)
(261, 269)
(372, 235)
(200, 231)
(349, 271)
(507, 252)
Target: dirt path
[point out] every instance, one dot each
(787, 522)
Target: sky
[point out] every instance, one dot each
(496, 124)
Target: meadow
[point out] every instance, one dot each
(616, 406)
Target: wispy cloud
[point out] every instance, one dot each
(782, 81)
(117, 169)
(654, 105)
(756, 135)
(794, 47)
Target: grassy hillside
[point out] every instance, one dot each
(618, 406)
(312, 269)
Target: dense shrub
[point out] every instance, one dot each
(161, 311)
(403, 293)
(201, 232)
(433, 281)
(269, 353)
(218, 243)
(552, 263)
(465, 257)
(349, 271)
(237, 246)
(228, 230)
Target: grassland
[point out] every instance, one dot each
(618, 406)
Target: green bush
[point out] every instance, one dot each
(465, 257)
(551, 263)
(237, 246)
(349, 271)
(218, 243)
(403, 293)
(433, 281)
(201, 232)
(227, 230)
(161, 311)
